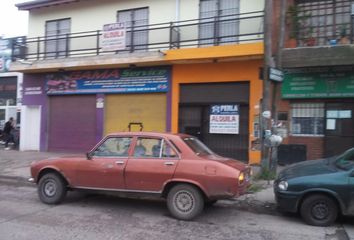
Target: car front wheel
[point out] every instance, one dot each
(185, 202)
(51, 188)
(319, 210)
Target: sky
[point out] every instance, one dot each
(13, 23)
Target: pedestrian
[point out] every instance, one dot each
(9, 133)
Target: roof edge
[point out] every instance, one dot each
(41, 3)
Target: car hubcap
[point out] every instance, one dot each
(320, 211)
(184, 201)
(50, 188)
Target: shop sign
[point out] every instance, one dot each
(33, 91)
(128, 80)
(224, 119)
(113, 37)
(276, 75)
(10, 48)
(322, 82)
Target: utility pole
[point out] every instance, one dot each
(268, 62)
(276, 87)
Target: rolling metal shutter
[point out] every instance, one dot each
(148, 109)
(72, 123)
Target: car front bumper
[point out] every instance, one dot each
(287, 201)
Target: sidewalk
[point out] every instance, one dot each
(16, 164)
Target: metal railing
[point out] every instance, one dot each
(222, 30)
(319, 23)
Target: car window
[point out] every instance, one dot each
(114, 147)
(148, 147)
(168, 151)
(197, 146)
(346, 160)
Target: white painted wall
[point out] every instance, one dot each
(30, 128)
(91, 15)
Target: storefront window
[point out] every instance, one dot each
(307, 119)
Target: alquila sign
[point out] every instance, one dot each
(319, 82)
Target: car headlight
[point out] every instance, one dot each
(241, 178)
(283, 185)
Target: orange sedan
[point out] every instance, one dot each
(176, 167)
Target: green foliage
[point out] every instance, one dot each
(255, 188)
(266, 174)
(298, 22)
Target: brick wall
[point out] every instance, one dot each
(314, 146)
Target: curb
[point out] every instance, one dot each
(15, 180)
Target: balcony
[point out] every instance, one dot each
(321, 23)
(321, 34)
(145, 41)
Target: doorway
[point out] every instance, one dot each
(339, 131)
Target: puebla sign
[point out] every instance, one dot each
(128, 80)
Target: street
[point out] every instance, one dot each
(85, 216)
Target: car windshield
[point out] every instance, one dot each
(197, 146)
(346, 160)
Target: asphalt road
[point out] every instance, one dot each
(83, 216)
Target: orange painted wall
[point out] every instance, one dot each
(246, 70)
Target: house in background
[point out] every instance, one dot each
(317, 95)
(170, 63)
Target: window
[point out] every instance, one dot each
(307, 119)
(323, 20)
(136, 21)
(151, 148)
(57, 42)
(114, 147)
(218, 22)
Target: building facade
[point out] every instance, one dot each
(317, 95)
(182, 66)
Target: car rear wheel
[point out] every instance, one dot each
(319, 210)
(51, 188)
(185, 202)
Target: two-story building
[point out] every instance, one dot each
(317, 107)
(96, 67)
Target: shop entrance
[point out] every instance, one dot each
(196, 101)
(339, 132)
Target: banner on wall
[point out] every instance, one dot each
(113, 37)
(128, 80)
(224, 119)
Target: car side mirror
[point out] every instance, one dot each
(89, 155)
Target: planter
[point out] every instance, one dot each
(310, 42)
(291, 43)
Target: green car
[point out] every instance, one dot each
(319, 190)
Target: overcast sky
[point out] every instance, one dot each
(13, 23)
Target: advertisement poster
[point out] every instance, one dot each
(113, 37)
(126, 80)
(224, 119)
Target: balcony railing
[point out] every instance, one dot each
(222, 30)
(320, 23)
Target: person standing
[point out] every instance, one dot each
(8, 132)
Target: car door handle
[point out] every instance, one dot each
(169, 163)
(119, 162)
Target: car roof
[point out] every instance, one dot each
(150, 134)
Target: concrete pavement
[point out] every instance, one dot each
(14, 166)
